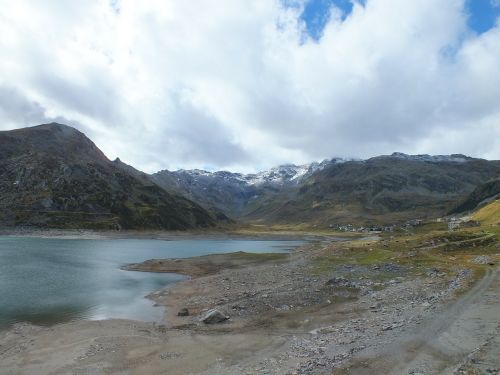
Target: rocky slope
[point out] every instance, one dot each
(52, 175)
(383, 189)
(231, 192)
(482, 194)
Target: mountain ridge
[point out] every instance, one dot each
(52, 175)
(382, 188)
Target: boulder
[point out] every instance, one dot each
(183, 312)
(214, 316)
(340, 282)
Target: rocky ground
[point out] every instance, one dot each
(329, 317)
(393, 305)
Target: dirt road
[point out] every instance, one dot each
(462, 337)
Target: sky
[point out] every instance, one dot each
(246, 85)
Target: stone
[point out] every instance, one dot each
(183, 312)
(376, 306)
(340, 282)
(214, 316)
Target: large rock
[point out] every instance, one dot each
(214, 316)
(340, 282)
(183, 312)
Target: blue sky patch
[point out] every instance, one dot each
(316, 14)
(482, 14)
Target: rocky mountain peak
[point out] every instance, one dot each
(52, 175)
(50, 140)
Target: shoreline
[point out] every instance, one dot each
(206, 265)
(168, 235)
(325, 306)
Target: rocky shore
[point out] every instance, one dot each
(327, 318)
(362, 306)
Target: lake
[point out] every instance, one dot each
(46, 281)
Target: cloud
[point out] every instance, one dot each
(169, 84)
(16, 110)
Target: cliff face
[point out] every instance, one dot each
(54, 176)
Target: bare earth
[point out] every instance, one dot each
(295, 314)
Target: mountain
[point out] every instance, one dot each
(52, 175)
(382, 189)
(482, 194)
(232, 192)
(456, 158)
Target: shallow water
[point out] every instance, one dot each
(48, 281)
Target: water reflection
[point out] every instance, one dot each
(47, 281)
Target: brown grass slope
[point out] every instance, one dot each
(489, 215)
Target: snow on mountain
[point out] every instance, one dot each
(263, 193)
(281, 175)
(455, 158)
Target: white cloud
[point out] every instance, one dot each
(168, 84)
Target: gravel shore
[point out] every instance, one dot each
(310, 312)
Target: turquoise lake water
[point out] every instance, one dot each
(48, 281)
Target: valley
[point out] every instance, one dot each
(328, 306)
(395, 267)
(234, 187)
(384, 190)
(53, 176)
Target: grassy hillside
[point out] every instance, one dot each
(489, 214)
